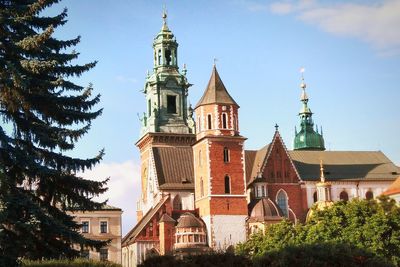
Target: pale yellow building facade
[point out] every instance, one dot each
(102, 224)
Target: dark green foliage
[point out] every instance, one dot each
(373, 226)
(320, 255)
(207, 260)
(69, 263)
(43, 114)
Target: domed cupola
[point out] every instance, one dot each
(307, 138)
(265, 210)
(165, 47)
(190, 234)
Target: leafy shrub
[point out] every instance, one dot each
(321, 255)
(206, 260)
(69, 263)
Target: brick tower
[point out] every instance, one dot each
(219, 166)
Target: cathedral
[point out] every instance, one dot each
(201, 190)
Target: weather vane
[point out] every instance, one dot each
(215, 61)
(164, 14)
(302, 70)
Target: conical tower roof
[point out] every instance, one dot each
(216, 92)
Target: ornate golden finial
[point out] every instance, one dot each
(322, 172)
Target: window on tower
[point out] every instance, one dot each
(224, 121)
(159, 57)
(227, 184)
(168, 57)
(226, 155)
(149, 107)
(171, 104)
(209, 121)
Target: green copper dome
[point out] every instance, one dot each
(307, 138)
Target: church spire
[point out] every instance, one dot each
(307, 138)
(166, 89)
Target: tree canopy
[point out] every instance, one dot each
(373, 226)
(43, 114)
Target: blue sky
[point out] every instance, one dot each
(350, 51)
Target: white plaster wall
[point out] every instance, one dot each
(129, 256)
(187, 199)
(228, 230)
(353, 189)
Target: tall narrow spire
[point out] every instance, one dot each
(307, 138)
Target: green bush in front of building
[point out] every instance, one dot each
(68, 263)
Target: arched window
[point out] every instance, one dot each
(224, 121)
(282, 201)
(227, 185)
(369, 195)
(226, 154)
(201, 187)
(209, 122)
(315, 197)
(344, 196)
(177, 204)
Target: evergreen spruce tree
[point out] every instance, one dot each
(43, 114)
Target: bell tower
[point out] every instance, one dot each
(167, 123)
(166, 89)
(219, 163)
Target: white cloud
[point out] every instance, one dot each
(282, 8)
(377, 24)
(123, 187)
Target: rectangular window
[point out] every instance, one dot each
(209, 122)
(103, 254)
(224, 120)
(103, 227)
(149, 107)
(259, 191)
(263, 191)
(227, 185)
(226, 155)
(85, 227)
(171, 104)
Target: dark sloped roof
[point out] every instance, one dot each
(166, 218)
(250, 156)
(216, 92)
(254, 161)
(174, 167)
(132, 234)
(188, 220)
(344, 165)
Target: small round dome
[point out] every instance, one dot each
(188, 220)
(265, 208)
